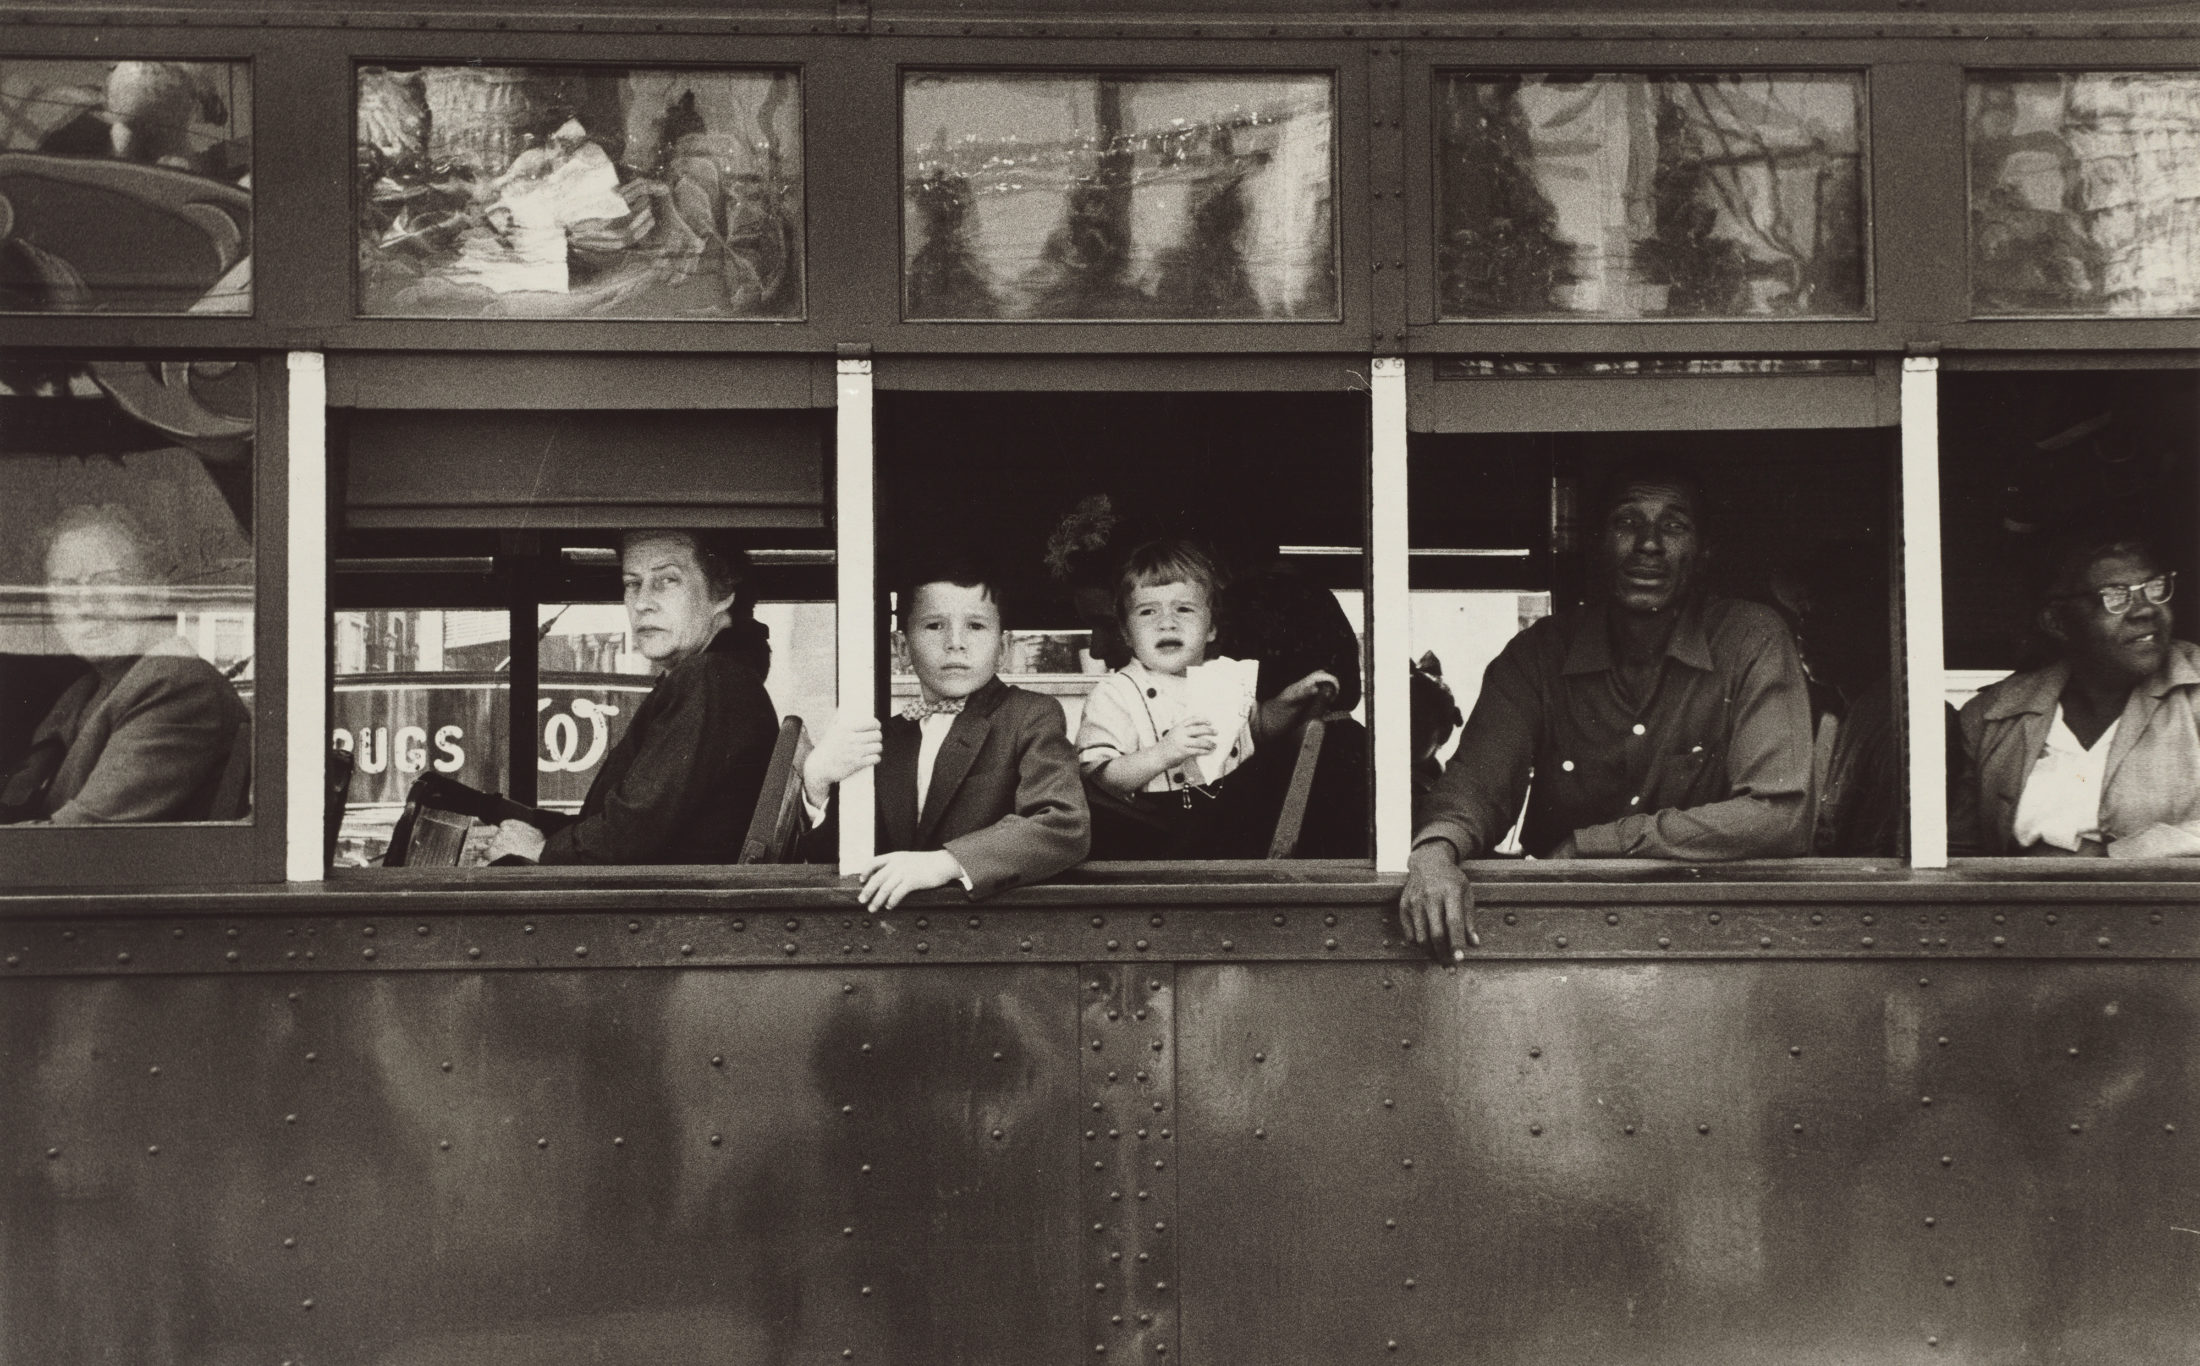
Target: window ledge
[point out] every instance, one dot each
(1161, 886)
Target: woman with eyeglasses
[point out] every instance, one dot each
(2098, 752)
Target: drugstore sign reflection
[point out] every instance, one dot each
(397, 727)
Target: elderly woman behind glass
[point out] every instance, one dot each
(2098, 752)
(681, 784)
(150, 732)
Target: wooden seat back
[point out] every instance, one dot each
(1292, 817)
(777, 823)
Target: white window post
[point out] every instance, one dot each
(856, 586)
(1390, 617)
(1923, 642)
(306, 555)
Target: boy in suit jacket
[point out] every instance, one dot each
(977, 783)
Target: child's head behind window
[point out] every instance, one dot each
(950, 610)
(1165, 599)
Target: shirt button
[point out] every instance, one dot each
(1634, 801)
(1153, 692)
(1567, 764)
(1640, 728)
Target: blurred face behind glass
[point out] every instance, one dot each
(954, 638)
(2112, 648)
(668, 600)
(1653, 548)
(107, 602)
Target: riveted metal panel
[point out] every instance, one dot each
(1689, 1163)
(1127, 1024)
(782, 1165)
(1753, 927)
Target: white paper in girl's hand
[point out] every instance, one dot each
(1220, 692)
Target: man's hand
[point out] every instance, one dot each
(517, 838)
(887, 878)
(852, 742)
(1437, 906)
(1189, 740)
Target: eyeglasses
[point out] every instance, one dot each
(2116, 598)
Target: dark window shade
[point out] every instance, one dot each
(584, 469)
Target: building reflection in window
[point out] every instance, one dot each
(2085, 192)
(569, 192)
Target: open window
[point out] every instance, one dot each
(478, 580)
(2068, 543)
(1778, 676)
(1058, 490)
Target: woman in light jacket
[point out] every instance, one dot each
(2097, 753)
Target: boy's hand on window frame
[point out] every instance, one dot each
(853, 742)
(888, 878)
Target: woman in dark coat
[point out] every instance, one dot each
(682, 782)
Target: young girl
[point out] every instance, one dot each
(1141, 742)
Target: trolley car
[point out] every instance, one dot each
(385, 318)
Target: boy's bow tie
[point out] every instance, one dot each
(920, 708)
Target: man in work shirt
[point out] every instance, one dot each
(1658, 721)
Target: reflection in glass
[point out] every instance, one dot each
(1456, 633)
(1148, 196)
(1629, 194)
(2085, 192)
(125, 187)
(126, 592)
(567, 192)
(421, 690)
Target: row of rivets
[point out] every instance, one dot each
(1127, 1193)
(1942, 940)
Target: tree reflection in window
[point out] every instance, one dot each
(1146, 196)
(1638, 195)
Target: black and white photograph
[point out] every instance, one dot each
(1155, 683)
